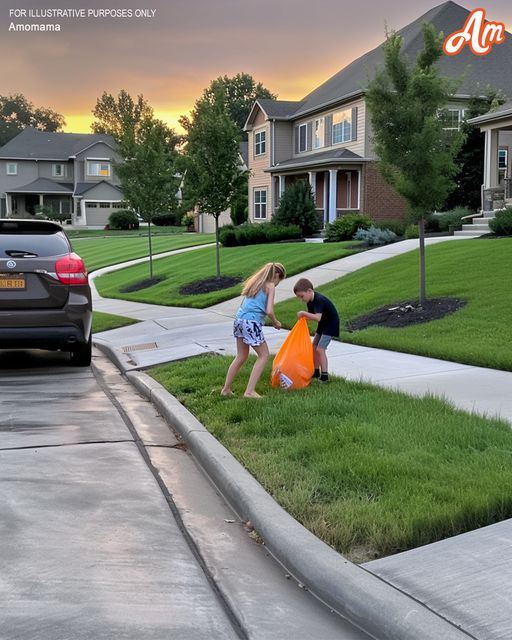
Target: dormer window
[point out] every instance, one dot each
(98, 168)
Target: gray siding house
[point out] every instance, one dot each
(326, 137)
(70, 172)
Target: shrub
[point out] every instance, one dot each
(452, 220)
(345, 227)
(123, 219)
(374, 236)
(166, 219)
(297, 207)
(502, 224)
(394, 225)
(245, 234)
(412, 231)
(187, 220)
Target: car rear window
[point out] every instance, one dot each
(39, 245)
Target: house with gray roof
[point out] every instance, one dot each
(326, 137)
(72, 173)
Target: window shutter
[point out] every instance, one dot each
(309, 136)
(296, 138)
(354, 123)
(328, 131)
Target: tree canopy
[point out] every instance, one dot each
(18, 113)
(121, 117)
(240, 92)
(416, 154)
(212, 160)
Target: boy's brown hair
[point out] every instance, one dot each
(302, 285)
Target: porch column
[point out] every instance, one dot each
(282, 180)
(41, 200)
(491, 158)
(359, 190)
(8, 205)
(83, 220)
(326, 199)
(312, 183)
(333, 189)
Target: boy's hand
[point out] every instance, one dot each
(301, 314)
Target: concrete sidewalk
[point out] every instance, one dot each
(471, 560)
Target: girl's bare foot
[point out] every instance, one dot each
(226, 392)
(252, 394)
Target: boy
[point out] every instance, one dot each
(321, 310)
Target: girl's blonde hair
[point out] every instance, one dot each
(258, 280)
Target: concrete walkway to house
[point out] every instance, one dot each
(466, 579)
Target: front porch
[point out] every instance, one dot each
(336, 191)
(41, 194)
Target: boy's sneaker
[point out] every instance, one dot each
(316, 373)
(324, 378)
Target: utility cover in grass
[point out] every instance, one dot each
(403, 314)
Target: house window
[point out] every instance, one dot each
(452, 119)
(259, 143)
(12, 169)
(318, 133)
(58, 170)
(98, 168)
(260, 204)
(342, 126)
(502, 159)
(303, 137)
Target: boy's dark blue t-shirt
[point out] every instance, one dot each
(329, 324)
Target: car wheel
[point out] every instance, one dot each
(81, 355)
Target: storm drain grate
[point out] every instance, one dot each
(146, 346)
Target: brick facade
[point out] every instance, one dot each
(380, 201)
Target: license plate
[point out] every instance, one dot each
(8, 282)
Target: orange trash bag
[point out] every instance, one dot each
(293, 364)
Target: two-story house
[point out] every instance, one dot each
(72, 173)
(326, 137)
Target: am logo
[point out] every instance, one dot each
(478, 33)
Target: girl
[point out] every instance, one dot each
(259, 292)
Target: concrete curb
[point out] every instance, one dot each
(376, 607)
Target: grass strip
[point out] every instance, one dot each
(184, 268)
(477, 271)
(370, 471)
(106, 321)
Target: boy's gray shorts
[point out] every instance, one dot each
(321, 340)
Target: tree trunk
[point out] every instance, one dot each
(423, 286)
(217, 245)
(150, 249)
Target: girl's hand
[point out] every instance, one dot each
(301, 314)
(277, 324)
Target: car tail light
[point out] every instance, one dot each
(71, 270)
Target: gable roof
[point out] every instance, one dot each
(43, 185)
(84, 187)
(32, 144)
(477, 72)
(320, 158)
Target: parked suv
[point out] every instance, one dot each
(45, 297)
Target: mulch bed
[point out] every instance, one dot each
(142, 284)
(403, 314)
(209, 284)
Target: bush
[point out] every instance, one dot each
(187, 220)
(245, 234)
(123, 219)
(166, 219)
(394, 225)
(451, 220)
(345, 227)
(412, 231)
(374, 236)
(501, 225)
(297, 207)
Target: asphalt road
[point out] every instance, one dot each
(109, 530)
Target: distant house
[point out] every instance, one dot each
(70, 172)
(326, 137)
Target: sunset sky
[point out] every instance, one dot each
(291, 46)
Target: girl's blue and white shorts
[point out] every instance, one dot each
(251, 331)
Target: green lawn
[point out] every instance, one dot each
(478, 271)
(101, 252)
(106, 321)
(235, 261)
(114, 233)
(370, 471)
